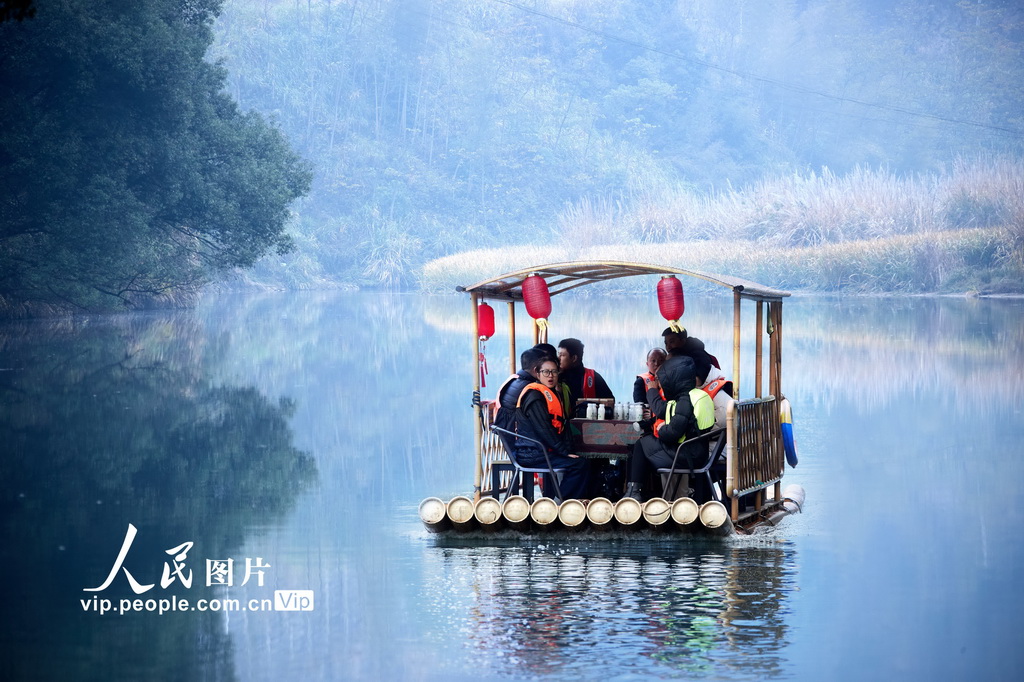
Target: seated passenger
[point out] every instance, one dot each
(582, 383)
(687, 412)
(539, 415)
(508, 392)
(562, 389)
(655, 358)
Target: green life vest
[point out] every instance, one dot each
(703, 410)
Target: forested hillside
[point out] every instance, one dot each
(129, 176)
(437, 126)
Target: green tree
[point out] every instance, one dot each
(127, 172)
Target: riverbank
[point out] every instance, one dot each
(979, 261)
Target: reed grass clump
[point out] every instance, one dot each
(866, 231)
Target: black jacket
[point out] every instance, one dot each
(694, 349)
(639, 390)
(573, 378)
(677, 378)
(509, 394)
(534, 420)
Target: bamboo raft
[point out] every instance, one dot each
(755, 452)
(489, 515)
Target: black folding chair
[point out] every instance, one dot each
(523, 475)
(705, 468)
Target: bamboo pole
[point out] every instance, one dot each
(715, 518)
(628, 512)
(776, 357)
(600, 513)
(657, 511)
(512, 337)
(759, 349)
(731, 443)
(516, 511)
(487, 512)
(572, 514)
(544, 512)
(536, 333)
(477, 414)
(684, 512)
(736, 345)
(778, 332)
(460, 512)
(433, 515)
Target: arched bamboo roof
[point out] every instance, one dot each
(562, 277)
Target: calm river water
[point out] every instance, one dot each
(282, 443)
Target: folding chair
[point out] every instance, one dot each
(523, 476)
(705, 469)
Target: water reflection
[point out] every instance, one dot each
(116, 422)
(210, 426)
(709, 609)
(869, 351)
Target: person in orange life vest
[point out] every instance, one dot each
(720, 389)
(677, 378)
(655, 358)
(582, 382)
(562, 389)
(540, 415)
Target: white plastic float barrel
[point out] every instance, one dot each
(792, 503)
(601, 513)
(433, 515)
(793, 498)
(715, 518)
(516, 512)
(628, 512)
(544, 512)
(460, 512)
(657, 512)
(572, 514)
(487, 512)
(684, 512)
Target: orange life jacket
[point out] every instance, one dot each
(554, 405)
(715, 386)
(588, 384)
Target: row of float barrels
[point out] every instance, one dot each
(462, 514)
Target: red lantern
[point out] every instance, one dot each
(670, 300)
(485, 324)
(537, 299)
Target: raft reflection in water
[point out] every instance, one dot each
(539, 610)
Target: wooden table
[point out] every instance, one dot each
(604, 438)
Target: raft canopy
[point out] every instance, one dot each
(562, 277)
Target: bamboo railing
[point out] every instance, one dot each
(754, 451)
(491, 450)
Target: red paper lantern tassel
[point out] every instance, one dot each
(670, 301)
(537, 299)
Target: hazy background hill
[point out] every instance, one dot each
(436, 126)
